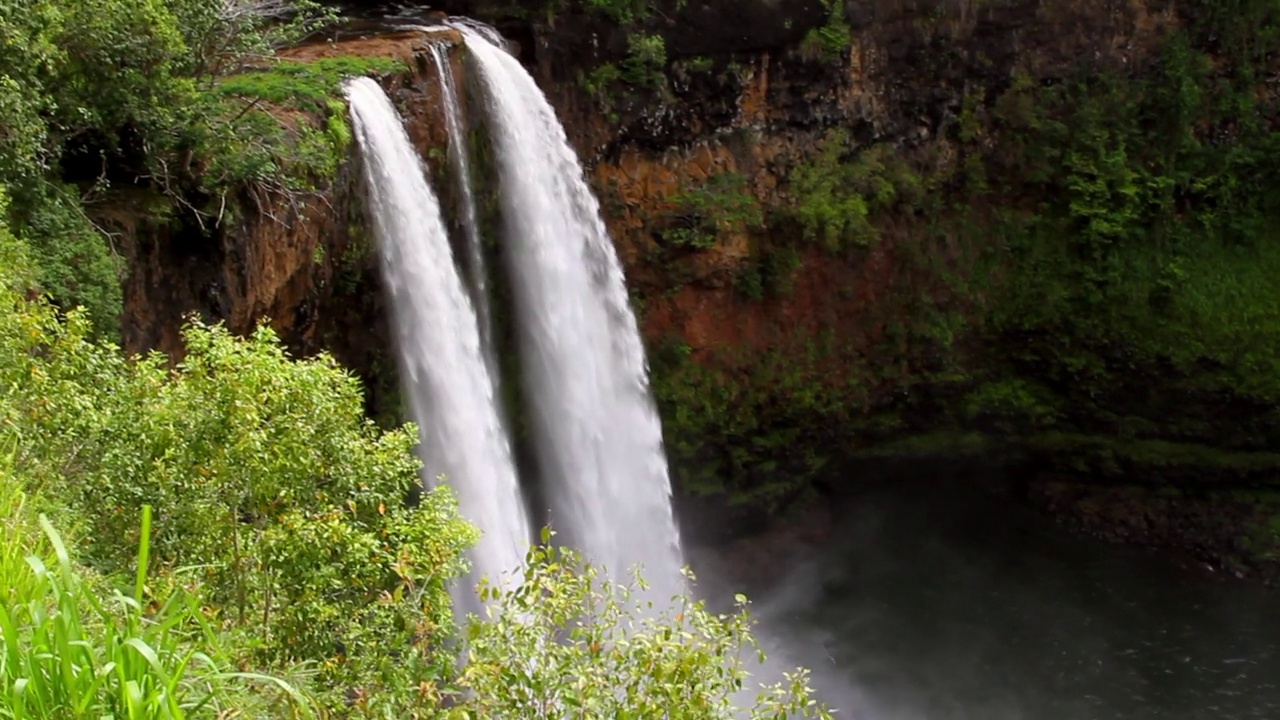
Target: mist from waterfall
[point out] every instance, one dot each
(450, 390)
(596, 434)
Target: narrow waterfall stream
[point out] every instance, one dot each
(450, 390)
(597, 435)
(460, 159)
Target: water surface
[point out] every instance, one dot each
(934, 604)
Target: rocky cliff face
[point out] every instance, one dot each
(888, 228)
(304, 263)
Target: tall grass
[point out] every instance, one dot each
(70, 650)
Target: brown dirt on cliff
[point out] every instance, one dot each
(404, 45)
(827, 295)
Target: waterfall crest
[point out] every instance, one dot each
(596, 432)
(450, 390)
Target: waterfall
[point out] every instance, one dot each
(461, 161)
(597, 436)
(451, 393)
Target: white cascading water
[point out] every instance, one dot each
(450, 390)
(459, 157)
(597, 436)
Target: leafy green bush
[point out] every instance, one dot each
(263, 472)
(102, 93)
(597, 81)
(834, 198)
(701, 212)
(830, 40)
(646, 61)
(568, 643)
(66, 651)
(75, 263)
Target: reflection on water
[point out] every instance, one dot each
(928, 604)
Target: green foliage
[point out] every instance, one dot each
(71, 648)
(309, 85)
(642, 69)
(264, 474)
(598, 81)
(646, 61)
(834, 199)
(757, 425)
(23, 142)
(830, 40)
(1013, 406)
(770, 271)
(102, 93)
(701, 213)
(566, 641)
(1153, 238)
(622, 12)
(288, 129)
(75, 264)
(223, 37)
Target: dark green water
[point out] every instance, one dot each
(930, 605)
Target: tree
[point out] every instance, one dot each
(96, 94)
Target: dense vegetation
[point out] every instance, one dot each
(231, 536)
(164, 103)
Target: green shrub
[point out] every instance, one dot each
(566, 642)
(598, 81)
(646, 61)
(830, 40)
(74, 262)
(700, 213)
(834, 198)
(97, 93)
(70, 649)
(264, 474)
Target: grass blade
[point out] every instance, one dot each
(144, 555)
(300, 702)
